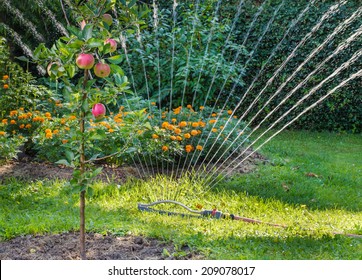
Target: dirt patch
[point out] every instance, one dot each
(65, 246)
(29, 169)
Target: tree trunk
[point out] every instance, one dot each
(82, 170)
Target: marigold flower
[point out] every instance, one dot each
(189, 106)
(2, 133)
(49, 135)
(173, 138)
(55, 131)
(194, 132)
(195, 124)
(28, 125)
(48, 130)
(111, 130)
(5, 77)
(67, 128)
(164, 148)
(5, 86)
(213, 115)
(177, 131)
(13, 113)
(173, 120)
(214, 130)
(65, 141)
(202, 107)
(182, 124)
(21, 126)
(189, 148)
(155, 136)
(212, 121)
(165, 124)
(13, 132)
(235, 117)
(170, 127)
(47, 115)
(12, 122)
(5, 121)
(21, 109)
(199, 147)
(202, 124)
(153, 103)
(62, 121)
(230, 112)
(187, 135)
(178, 138)
(72, 118)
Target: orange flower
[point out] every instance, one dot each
(195, 124)
(155, 136)
(55, 131)
(65, 141)
(111, 130)
(72, 117)
(177, 131)
(174, 120)
(28, 125)
(202, 107)
(62, 121)
(48, 131)
(214, 130)
(173, 138)
(178, 138)
(153, 103)
(170, 127)
(12, 122)
(230, 112)
(165, 124)
(235, 117)
(2, 133)
(164, 148)
(199, 147)
(6, 86)
(194, 132)
(202, 124)
(21, 126)
(182, 124)
(189, 148)
(212, 121)
(187, 135)
(67, 128)
(48, 115)
(13, 113)
(5, 77)
(213, 115)
(5, 121)
(49, 135)
(189, 106)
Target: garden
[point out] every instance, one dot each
(180, 130)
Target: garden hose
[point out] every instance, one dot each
(214, 214)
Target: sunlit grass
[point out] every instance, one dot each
(312, 208)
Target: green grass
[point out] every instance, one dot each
(313, 208)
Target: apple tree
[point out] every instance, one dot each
(87, 64)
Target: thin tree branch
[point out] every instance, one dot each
(65, 14)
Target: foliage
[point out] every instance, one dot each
(9, 146)
(19, 88)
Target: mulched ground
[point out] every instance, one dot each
(65, 246)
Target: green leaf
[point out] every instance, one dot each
(76, 44)
(117, 69)
(87, 32)
(69, 156)
(115, 59)
(95, 43)
(70, 70)
(22, 58)
(63, 162)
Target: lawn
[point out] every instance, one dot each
(311, 183)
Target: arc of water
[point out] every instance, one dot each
(338, 50)
(52, 17)
(202, 63)
(174, 16)
(124, 47)
(342, 84)
(345, 65)
(246, 36)
(260, 72)
(266, 29)
(332, 10)
(23, 21)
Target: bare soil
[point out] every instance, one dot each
(65, 246)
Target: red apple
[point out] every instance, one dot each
(107, 18)
(85, 61)
(98, 111)
(102, 70)
(113, 44)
